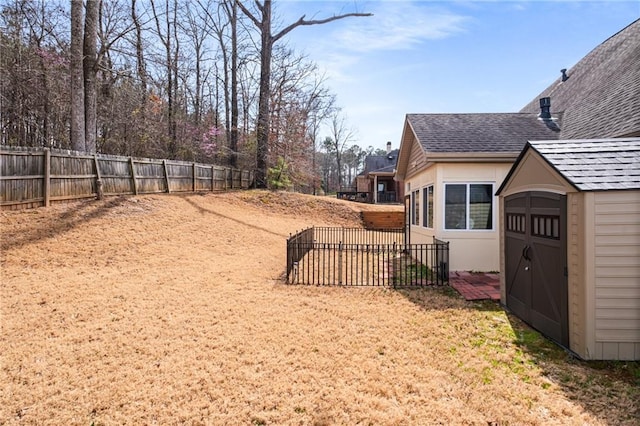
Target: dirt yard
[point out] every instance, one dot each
(170, 309)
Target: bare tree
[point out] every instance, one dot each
(77, 77)
(320, 105)
(232, 13)
(90, 69)
(168, 39)
(341, 136)
(268, 39)
(140, 61)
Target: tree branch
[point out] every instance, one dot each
(302, 21)
(249, 14)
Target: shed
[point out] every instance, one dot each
(570, 244)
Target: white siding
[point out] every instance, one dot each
(616, 266)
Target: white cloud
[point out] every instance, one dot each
(398, 26)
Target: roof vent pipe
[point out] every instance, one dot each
(565, 77)
(545, 108)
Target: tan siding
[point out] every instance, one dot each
(417, 160)
(617, 272)
(621, 351)
(534, 174)
(576, 279)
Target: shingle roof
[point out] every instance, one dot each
(600, 98)
(487, 132)
(591, 165)
(381, 163)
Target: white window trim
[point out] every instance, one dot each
(424, 210)
(415, 218)
(467, 184)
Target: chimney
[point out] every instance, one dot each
(388, 147)
(545, 108)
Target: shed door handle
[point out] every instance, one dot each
(525, 253)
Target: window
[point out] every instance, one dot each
(546, 226)
(516, 223)
(415, 217)
(468, 206)
(427, 200)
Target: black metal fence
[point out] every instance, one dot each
(360, 257)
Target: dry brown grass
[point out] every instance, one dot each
(169, 310)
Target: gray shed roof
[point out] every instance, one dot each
(600, 98)
(486, 132)
(593, 165)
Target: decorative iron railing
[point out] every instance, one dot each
(359, 257)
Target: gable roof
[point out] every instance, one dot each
(486, 132)
(600, 97)
(381, 163)
(590, 165)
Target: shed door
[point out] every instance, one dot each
(535, 261)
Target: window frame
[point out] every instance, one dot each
(427, 206)
(415, 207)
(468, 205)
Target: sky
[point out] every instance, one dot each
(444, 56)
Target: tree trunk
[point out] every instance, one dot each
(262, 133)
(90, 73)
(233, 145)
(142, 72)
(77, 78)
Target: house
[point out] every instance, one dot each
(570, 257)
(452, 164)
(379, 172)
(599, 95)
(376, 183)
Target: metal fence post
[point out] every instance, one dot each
(340, 263)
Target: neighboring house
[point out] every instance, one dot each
(571, 244)
(379, 172)
(376, 183)
(452, 164)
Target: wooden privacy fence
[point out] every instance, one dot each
(360, 257)
(36, 177)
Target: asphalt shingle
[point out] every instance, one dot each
(592, 165)
(601, 97)
(486, 132)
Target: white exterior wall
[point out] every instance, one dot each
(476, 250)
(615, 329)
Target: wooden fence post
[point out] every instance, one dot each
(133, 176)
(166, 175)
(47, 178)
(193, 181)
(100, 194)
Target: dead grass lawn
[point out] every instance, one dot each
(169, 310)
